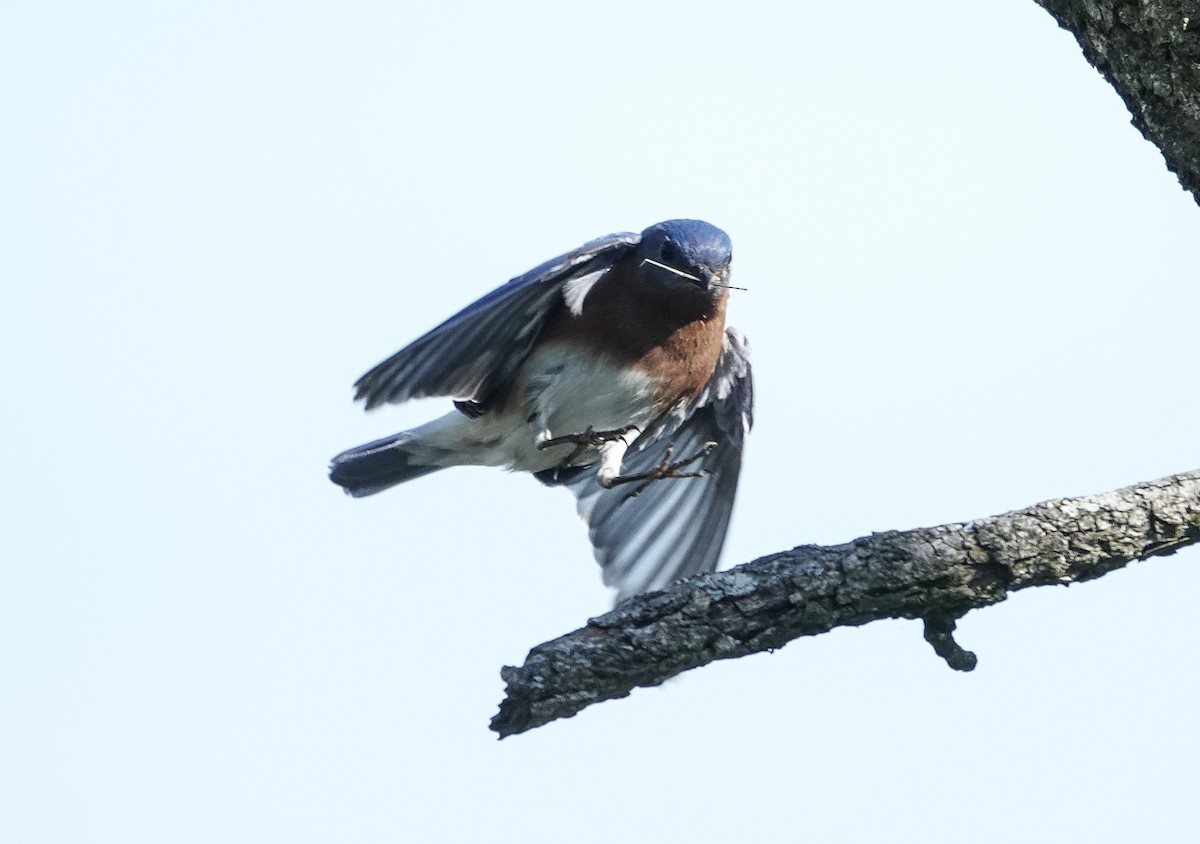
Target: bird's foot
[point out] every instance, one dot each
(590, 438)
(665, 469)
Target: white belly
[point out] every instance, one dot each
(558, 392)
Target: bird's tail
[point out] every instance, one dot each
(376, 466)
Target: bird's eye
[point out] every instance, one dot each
(668, 251)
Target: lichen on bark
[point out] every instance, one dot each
(935, 574)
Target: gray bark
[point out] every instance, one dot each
(1150, 52)
(936, 574)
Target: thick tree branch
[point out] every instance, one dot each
(1150, 51)
(936, 574)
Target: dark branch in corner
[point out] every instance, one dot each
(935, 574)
(1150, 52)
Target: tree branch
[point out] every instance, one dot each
(936, 574)
(1150, 52)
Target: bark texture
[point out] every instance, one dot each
(1150, 51)
(936, 574)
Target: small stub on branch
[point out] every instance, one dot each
(939, 632)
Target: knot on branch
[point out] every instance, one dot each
(939, 632)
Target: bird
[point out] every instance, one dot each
(608, 370)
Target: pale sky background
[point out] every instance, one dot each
(973, 286)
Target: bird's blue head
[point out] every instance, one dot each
(687, 251)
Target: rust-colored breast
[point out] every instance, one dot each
(675, 333)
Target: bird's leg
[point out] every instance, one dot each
(665, 469)
(611, 455)
(589, 438)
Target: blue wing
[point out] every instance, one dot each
(479, 349)
(676, 527)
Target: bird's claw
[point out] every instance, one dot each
(590, 438)
(664, 469)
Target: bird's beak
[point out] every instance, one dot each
(720, 280)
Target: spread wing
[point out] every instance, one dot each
(676, 527)
(479, 349)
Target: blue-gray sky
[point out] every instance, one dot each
(972, 286)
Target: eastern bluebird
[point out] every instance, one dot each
(608, 370)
